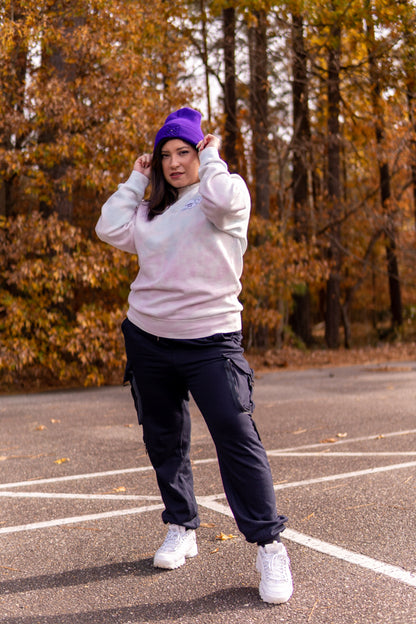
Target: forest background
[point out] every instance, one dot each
(315, 104)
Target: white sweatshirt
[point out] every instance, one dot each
(190, 257)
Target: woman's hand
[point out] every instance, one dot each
(142, 164)
(209, 140)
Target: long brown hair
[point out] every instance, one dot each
(162, 194)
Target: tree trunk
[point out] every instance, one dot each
(230, 99)
(301, 131)
(333, 306)
(12, 86)
(55, 64)
(301, 316)
(384, 174)
(409, 63)
(205, 58)
(259, 89)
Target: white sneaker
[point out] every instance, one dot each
(274, 566)
(179, 544)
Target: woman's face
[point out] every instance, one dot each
(180, 163)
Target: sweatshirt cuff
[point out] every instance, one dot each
(207, 154)
(137, 182)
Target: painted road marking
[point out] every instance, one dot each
(91, 475)
(380, 436)
(271, 453)
(280, 486)
(344, 475)
(77, 519)
(64, 495)
(329, 453)
(395, 572)
(214, 497)
(213, 503)
(399, 574)
(209, 502)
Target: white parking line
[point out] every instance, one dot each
(204, 499)
(77, 519)
(213, 502)
(329, 453)
(280, 486)
(326, 548)
(347, 440)
(221, 495)
(335, 477)
(399, 574)
(271, 453)
(102, 497)
(344, 475)
(91, 475)
(209, 502)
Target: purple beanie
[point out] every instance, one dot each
(184, 124)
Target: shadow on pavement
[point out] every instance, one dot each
(217, 602)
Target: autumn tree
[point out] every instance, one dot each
(83, 86)
(98, 77)
(230, 95)
(259, 99)
(318, 98)
(333, 306)
(14, 61)
(301, 316)
(59, 69)
(408, 64)
(384, 172)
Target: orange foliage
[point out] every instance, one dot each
(62, 300)
(275, 266)
(63, 297)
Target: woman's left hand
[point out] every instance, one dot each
(209, 140)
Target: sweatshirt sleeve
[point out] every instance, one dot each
(116, 223)
(226, 199)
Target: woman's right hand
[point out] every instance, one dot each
(142, 164)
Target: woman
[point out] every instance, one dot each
(183, 334)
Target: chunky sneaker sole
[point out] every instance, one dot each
(179, 545)
(276, 585)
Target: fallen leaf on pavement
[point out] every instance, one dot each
(222, 537)
(9, 568)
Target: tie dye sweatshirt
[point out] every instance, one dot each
(190, 257)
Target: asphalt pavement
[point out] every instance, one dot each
(80, 508)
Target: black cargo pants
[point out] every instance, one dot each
(163, 371)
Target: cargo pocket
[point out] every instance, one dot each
(130, 380)
(241, 381)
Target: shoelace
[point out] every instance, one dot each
(172, 539)
(276, 567)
